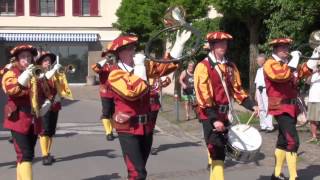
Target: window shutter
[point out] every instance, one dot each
(94, 8)
(19, 7)
(60, 7)
(76, 7)
(34, 7)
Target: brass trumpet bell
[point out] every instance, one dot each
(174, 16)
(314, 39)
(37, 72)
(70, 69)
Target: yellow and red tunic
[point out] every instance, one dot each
(103, 72)
(209, 89)
(132, 94)
(281, 85)
(18, 115)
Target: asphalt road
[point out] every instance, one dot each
(82, 153)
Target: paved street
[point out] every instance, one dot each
(83, 153)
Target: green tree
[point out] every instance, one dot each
(144, 17)
(252, 13)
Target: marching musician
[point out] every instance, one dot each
(21, 115)
(49, 120)
(129, 83)
(103, 68)
(281, 77)
(216, 81)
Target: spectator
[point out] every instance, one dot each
(186, 81)
(314, 105)
(262, 98)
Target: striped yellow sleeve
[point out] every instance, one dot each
(239, 93)
(203, 87)
(11, 86)
(156, 70)
(127, 85)
(277, 71)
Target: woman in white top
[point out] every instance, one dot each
(262, 98)
(314, 105)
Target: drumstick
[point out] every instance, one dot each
(252, 115)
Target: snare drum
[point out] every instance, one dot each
(244, 142)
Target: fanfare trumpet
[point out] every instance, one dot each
(174, 19)
(70, 68)
(314, 41)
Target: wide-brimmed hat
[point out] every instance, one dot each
(24, 47)
(45, 54)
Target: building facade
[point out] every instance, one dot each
(76, 30)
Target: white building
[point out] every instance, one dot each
(77, 30)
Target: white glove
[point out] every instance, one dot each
(45, 107)
(52, 72)
(139, 68)
(295, 59)
(312, 64)
(8, 66)
(102, 62)
(57, 98)
(25, 77)
(178, 46)
(56, 67)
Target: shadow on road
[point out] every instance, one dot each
(67, 102)
(65, 135)
(260, 156)
(164, 147)
(309, 172)
(105, 177)
(97, 153)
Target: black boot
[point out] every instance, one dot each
(154, 151)
(110, 137)
(46, 161)
(52, 159)
(281, 177)
(208, 167)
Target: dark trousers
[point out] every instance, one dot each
(288, 138)
(136, 150)
(107, 108)
(24, 145)
(216, 141)
(49, 122)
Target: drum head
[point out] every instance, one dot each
(245, 137)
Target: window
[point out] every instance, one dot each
(7, 7)
(47, 7)
(86, 7)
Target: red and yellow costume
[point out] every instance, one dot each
(132, 103)
(213, 101)
(282, 90)
(50, 119)
(19, 117)
(106, 95)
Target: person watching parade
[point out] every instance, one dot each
(216, 81)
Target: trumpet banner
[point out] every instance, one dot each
(34, 97)
(62, 86)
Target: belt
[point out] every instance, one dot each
(139, 119)
(289, 101)
(222, 108)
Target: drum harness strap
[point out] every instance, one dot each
(216, 67)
